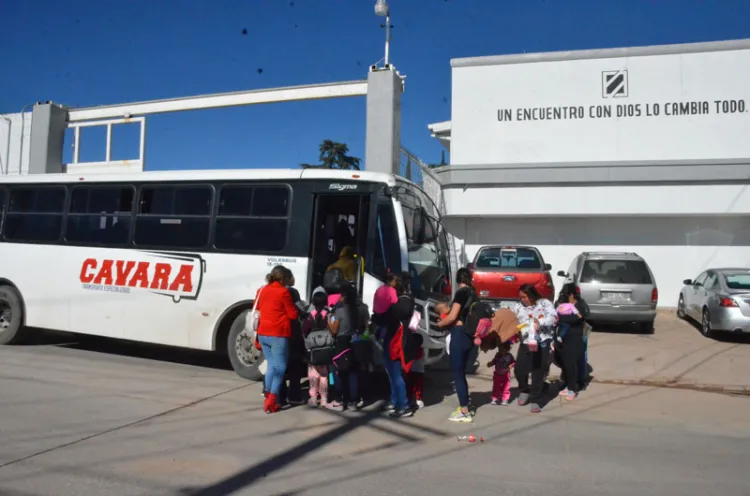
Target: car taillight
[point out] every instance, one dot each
(654, 295)
(727, 302)
(548, 281)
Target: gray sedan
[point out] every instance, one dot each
(719, 299)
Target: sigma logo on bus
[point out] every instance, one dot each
(179, 276)
(342, 187)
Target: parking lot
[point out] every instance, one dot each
(103, 417)
(676, 355)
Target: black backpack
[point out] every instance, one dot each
(333, 281)
(476, 310)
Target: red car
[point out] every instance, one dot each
(499, 271)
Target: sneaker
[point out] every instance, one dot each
(360, 404)
(570, 396)
(390, 407)
(420, 403)
(534, 408)
(523, 399)
(312, 402)
(505, 403)
(402, 413)
(352, 406)
(494, 401)
(563, 392)
(459, 416)
(335, 406)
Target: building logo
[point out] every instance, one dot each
(615, 84)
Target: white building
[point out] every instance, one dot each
(635, 149)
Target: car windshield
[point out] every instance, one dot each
(511, 258)
(616, 272)
(739, 281)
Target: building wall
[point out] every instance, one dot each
(12, 159)
(675, 247)
(495, 200)
(676, 102)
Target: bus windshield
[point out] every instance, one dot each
(428, 261)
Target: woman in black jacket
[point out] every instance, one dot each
(296, 367)
(572, 342)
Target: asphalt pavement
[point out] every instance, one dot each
(108, 418)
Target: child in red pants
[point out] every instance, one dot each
(415, 382)
(502, 362)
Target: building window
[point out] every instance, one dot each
(174, 216)
(100, 215)
(35, 214)
(252, 218)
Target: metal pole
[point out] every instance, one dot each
(387, 37)
(6, 169)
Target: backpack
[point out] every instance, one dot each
(333, 281)
(319, 341)
(478, 319)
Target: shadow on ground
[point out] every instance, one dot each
(437, 384)
(132, 349)
(257, 473)
(619, 329)
(724, 337)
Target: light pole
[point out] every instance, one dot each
(382, 10)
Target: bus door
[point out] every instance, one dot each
(340, 221)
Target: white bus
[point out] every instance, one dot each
(175, 258)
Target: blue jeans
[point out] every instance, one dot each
(347, 385)
(276, 351)
(460, 351)
(396, 380)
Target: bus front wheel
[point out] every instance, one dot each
(246, 359)
(11, 316)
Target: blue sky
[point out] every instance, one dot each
(93, 52)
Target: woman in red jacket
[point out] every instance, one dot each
(274, 330)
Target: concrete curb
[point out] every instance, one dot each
(708, 388)
(657, 383)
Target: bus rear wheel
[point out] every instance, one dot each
(11, 316)
(247, 361)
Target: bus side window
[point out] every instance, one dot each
(100, 215)
(35, 214)
(247, 211)
(174, 216)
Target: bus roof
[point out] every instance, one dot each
(209, 175)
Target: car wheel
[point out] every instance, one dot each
(247, 361)
(647, 327)
(706, 324)
(11, 316)
(681, 308)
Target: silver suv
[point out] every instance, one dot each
(618, 287)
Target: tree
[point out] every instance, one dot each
(334, 156)
(442, 162)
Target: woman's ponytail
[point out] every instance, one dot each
(277, 274)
